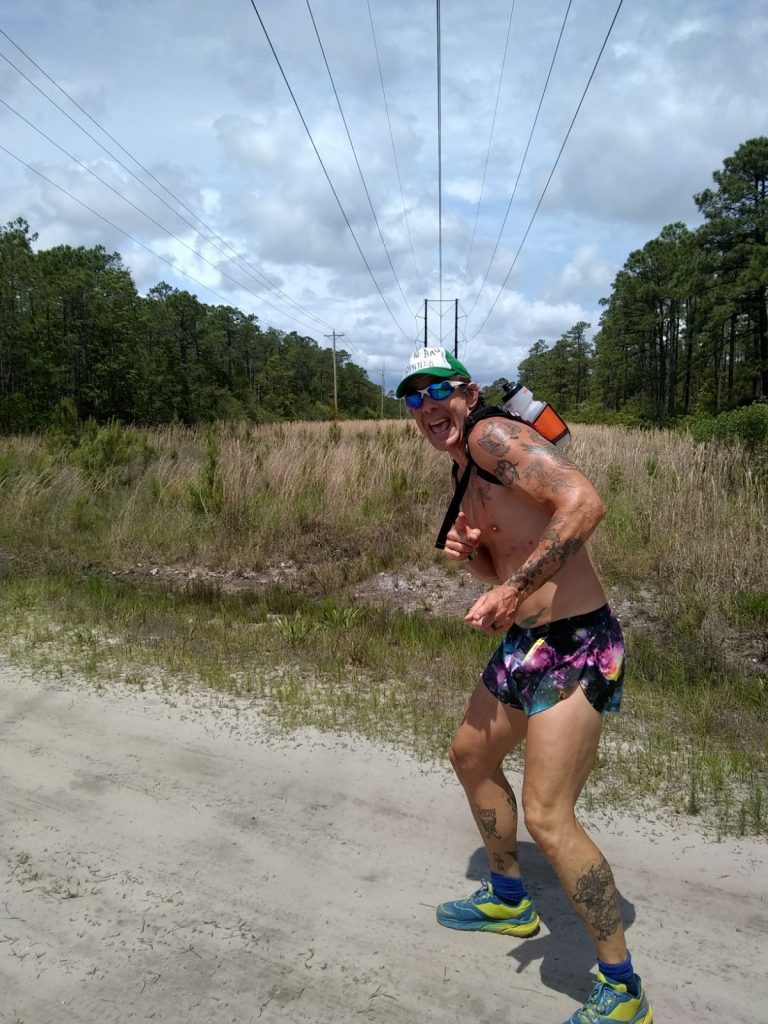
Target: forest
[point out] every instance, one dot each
(74, 328)
(684, 332)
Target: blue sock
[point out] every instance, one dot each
(623, 973)
(510, 890)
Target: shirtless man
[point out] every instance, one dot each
(559, 667)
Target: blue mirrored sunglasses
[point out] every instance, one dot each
(439, 391)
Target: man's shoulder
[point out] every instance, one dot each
(494, 426)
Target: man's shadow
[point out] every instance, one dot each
(566, 953)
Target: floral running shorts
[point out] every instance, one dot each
(535, 668)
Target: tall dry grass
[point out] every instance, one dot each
(679, 513)
(684, 546)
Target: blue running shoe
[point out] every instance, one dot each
(485, 912)
(610, 1003)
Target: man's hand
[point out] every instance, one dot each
(495, 610)
(462, 540)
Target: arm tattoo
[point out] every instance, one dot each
(551, 452)
(543, 568)
(487, 818)
(507, 472)
(551, 532)
(539, 473)
(596, 892)
(496, 438)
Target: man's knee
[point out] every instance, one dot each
(469, 755)
(546, 824)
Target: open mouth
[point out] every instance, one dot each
(439, 427)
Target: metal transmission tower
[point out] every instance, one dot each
(440, 311)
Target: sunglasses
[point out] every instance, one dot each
(437, 392)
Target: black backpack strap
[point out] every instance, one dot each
(455, 505)
(462, 483)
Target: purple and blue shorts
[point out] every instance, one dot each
(533, 669)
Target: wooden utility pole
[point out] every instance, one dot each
(334, 336)
(382, 393)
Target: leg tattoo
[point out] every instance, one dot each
(596, 892)
(487, 818)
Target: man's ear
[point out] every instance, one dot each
(473, 395)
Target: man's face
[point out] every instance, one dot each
(441, 421)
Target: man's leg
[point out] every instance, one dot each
(488, 732)
(560, 751)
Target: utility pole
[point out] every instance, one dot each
(456, 328)
(334, 336)
(382, 392)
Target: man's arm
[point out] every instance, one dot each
(521, 459)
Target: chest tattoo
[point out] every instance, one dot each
(481, 490)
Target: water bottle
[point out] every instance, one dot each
(540, 415)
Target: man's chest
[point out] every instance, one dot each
(506, 520)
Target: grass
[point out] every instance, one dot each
(685, 539)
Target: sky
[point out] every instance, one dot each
(459, 193)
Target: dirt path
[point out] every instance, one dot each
(165, 861)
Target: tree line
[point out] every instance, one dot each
(73, 327)
(685, 328)
(683, 332)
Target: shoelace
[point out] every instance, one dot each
(482, 892)
(600, 1001)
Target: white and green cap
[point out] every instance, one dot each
(431, 362)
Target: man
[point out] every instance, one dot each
(525, 518)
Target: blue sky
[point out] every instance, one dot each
(193, 91)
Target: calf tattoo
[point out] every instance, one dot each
(596, 891)
(487, 818)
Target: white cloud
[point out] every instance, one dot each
(586, 270)
(198, 98)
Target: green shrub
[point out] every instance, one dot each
(207, 492)
(102, 449)
(748, 425)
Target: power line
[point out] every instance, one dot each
(328, 177)
(151, 219)
(522, 162)
(490, 143)
(357, 162)
(254, 272)
(394, 149)
(439, 156)
(122, 231)
(554, 168)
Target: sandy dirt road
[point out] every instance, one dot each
(164, 860)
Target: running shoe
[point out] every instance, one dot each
(485, 912)
(611, 1003)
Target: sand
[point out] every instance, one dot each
(166, 859)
